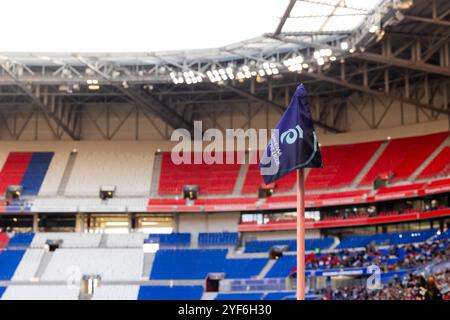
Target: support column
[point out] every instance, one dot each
(35, 223)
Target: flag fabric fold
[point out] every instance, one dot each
(293, 144)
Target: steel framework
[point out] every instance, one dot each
(406, 60)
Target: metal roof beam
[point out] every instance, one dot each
(256, 98)
(366, 89)
(285, 16)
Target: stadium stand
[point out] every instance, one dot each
(40, 292)
(29, 265)
(239, 296)
(2, 290)
(206, 239)
(287, 295)
(173, 177)
(171, 240)
(282, 267)
(402, 157)
(170, 293)
(20, 240)
(253, 179)
(310, 244)
(69, 240)
(387, 238)
(197, 263)
(130, 172)
(342, 163)
(438, 167)
(9, 261)
(27, 169)
(111, 264)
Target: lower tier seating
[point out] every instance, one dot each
(9, 261)
(310, 244)
(196, 264)
(170, 293)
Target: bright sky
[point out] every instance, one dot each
(132, 25)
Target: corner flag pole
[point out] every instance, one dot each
(300, 235)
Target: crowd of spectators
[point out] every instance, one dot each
(393, 259)
(412, 287)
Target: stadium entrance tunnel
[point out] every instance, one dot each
(276, 252)
(213, 281)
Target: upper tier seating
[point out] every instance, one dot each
(438, 167)
(342, 164)
(403, 156)
(171, 240)
(9, 260)
(196, 264)
(130, 172)
(210, 178)
(27, 169)
(387, 238)
(111, 264)
(170, 293)
(217, 239)
(253, 179)
(310, 244)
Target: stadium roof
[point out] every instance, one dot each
(138, 32)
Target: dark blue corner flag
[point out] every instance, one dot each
(293, 144)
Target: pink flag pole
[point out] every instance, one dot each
(300, 235)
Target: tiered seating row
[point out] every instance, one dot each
(27, 169)
(210, 178)
(403, 156)
(440, 166)
(197, 264)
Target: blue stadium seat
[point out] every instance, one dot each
(171, 240)
(284, 295)
(310, 244)
(217, 239)
(170, 293)
(387, 238)
(35, 173)
(2, 291)
(240, 296)
(282, 267)
(444, 235)
(9, 261)
(196, 264)
(21, 240)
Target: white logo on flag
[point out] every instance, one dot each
(292, 135)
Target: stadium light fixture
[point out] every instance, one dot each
(374, 28)
(320, 61)
(344, 45)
